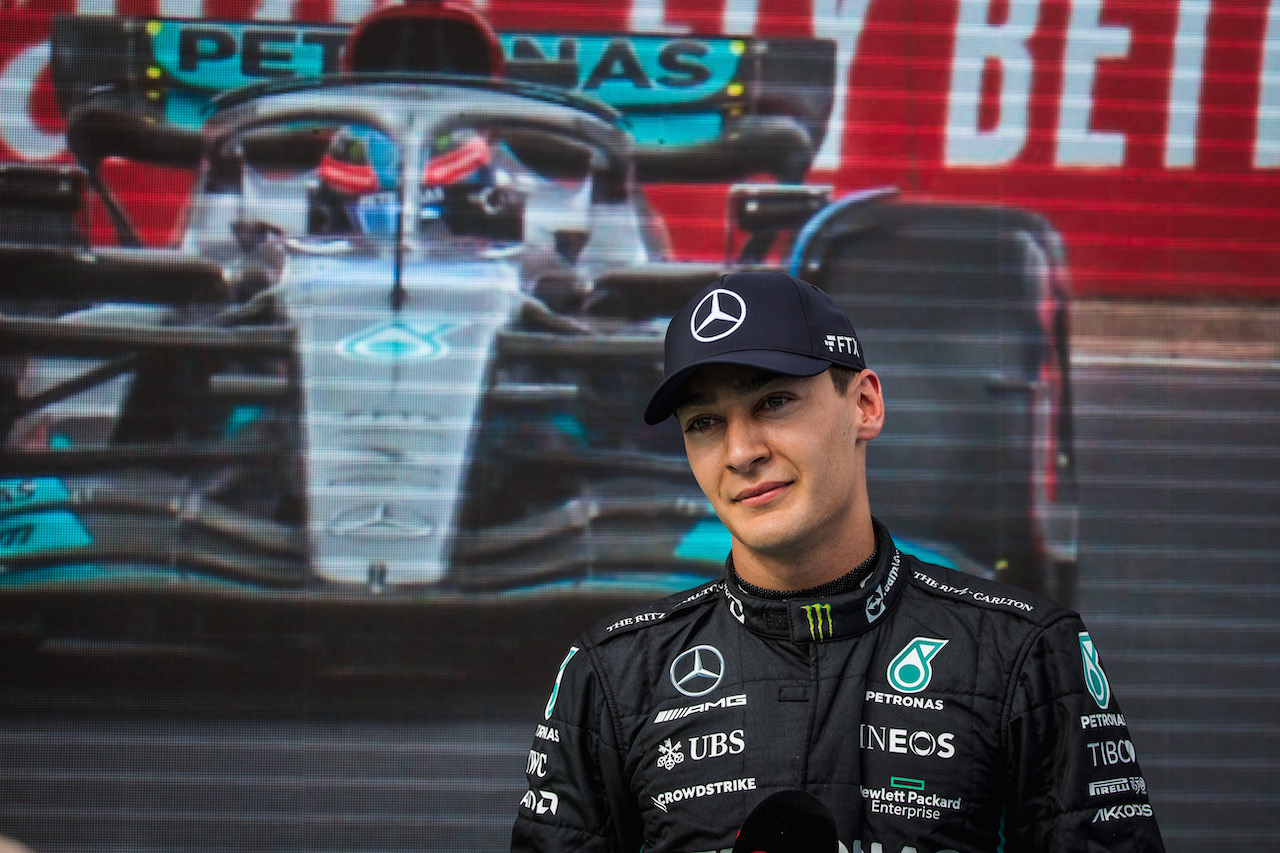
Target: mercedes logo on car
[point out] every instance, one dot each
(698, 671)
(720, 313)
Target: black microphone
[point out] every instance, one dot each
(788, 822)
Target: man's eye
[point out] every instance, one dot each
(774, 401)
(698, 425)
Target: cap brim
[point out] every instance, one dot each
(663, 401)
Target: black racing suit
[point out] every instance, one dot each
(930, 711)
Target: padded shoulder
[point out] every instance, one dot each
(643, 616)
(980, 592)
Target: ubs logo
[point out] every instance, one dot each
(720, 313)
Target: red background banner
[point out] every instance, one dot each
(1147, 133)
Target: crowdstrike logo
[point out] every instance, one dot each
(698, 671)
(719, 314)
(695, 792)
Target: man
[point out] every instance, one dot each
(929, 710)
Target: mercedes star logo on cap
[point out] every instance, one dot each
(719, 314)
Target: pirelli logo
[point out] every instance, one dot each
(689, 710)
(1110, 786)
(1136, 784)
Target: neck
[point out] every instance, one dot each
(813, 568)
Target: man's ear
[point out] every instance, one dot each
(865, 393)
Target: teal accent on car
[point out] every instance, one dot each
(707, 540)
(644, 584)
(23, 533)
(688, 129)
(184, 109)
(82, 574)
(35, 532)
(927, 554)
(241, 417)
(570, 426)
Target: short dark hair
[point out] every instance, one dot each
(841, 377)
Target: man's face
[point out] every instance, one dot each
(781, 458)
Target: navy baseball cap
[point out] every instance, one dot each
(762, 318)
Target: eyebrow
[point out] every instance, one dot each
(747, 385)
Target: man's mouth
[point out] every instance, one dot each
(761, 493)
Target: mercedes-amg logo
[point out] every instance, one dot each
(698, 671)
(719, 314)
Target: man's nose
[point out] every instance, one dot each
(745, 444)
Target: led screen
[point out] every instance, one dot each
(326, 330)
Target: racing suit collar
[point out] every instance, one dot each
(818, 620)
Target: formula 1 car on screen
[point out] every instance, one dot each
(400, 348)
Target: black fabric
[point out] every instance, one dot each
(788, 822)
(928, 710)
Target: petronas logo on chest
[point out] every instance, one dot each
(910, 671)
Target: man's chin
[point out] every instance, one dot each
(764, 544)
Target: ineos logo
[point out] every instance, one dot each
(719, 314)
(698, 671)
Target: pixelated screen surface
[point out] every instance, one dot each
(326, 332)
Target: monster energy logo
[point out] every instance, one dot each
(815, 614)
